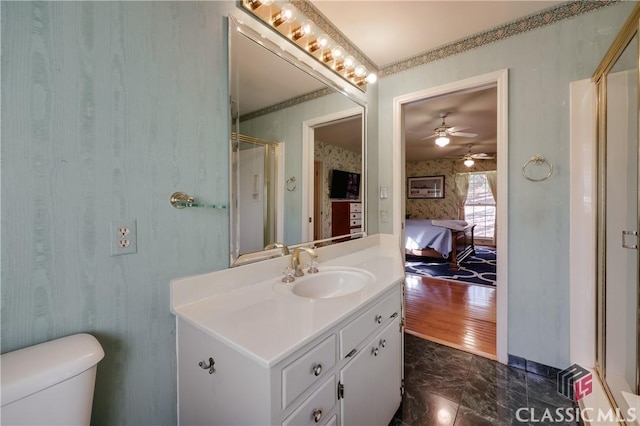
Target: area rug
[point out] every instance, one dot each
(479, 268)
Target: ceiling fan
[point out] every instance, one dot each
(469, 158)
(443, 131)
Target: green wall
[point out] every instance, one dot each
(541, 65)
(107, 109)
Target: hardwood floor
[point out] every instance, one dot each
(462, 316)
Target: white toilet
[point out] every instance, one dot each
(51, 383)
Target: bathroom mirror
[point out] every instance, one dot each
(291, 128)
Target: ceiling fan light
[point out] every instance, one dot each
(442, 141)
(469, 162)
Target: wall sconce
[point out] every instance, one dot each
(290, 23)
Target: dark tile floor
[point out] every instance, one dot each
(445, 386)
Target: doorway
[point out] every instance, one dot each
(498, 80)
(331, 142)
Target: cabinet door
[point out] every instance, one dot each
(388, 372)
(359, 381)
(372, 380)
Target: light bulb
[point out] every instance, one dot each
(323, 41)
(469, 162)
(267, 2)
(442, 141)
(337, 53)
(372, 78)
(305, 29)
(360, 71)
(349, 62)
(287, 14)
(308, 28)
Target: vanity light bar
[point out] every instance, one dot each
(290, 23)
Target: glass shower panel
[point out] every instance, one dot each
(621, 275)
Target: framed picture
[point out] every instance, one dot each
(426, 187)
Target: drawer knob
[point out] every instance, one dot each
(379, 319)
(317, 369)
(375, 351)
(383, 343)
(317, 415)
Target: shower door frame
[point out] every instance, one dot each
(624, 37)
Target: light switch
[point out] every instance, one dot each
(384, 192)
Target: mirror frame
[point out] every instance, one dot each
(246, 25)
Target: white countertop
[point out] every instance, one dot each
(235, 306)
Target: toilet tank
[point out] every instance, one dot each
(51, 383)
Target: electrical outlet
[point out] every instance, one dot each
(123, 237)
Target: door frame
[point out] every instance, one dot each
(500, 79)
(308, 141)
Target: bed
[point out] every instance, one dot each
(440, 239)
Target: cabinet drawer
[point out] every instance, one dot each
(307, 370)
(357, 216)
(355, 207)
(365, 324)
(355, 230)
(357, 222)
(320, 403)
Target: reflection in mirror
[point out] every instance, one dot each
(286, 121)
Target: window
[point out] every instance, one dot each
(480, 207)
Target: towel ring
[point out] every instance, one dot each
(291, 184)
(538, 160)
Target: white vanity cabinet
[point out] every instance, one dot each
(349, 374)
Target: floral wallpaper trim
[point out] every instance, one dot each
(531, 22)
(288, 103)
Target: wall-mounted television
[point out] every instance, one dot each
(345, 185)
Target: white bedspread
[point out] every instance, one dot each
(421, 234)
(456, 225)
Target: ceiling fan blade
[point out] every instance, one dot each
(458, 128)
(430, 136)
(482, 156)
(464, 135)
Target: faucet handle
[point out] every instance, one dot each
(288, 275)
(313, 267)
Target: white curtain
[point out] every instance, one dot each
(492, 180)
(462, 189)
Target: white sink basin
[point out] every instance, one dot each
(328, 283)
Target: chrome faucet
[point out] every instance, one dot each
(285, 249)
(295, 261)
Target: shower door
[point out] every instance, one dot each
(618, 219)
